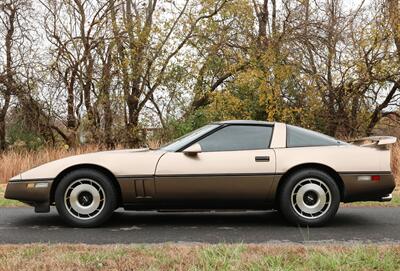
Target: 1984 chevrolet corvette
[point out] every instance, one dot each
(243, 165)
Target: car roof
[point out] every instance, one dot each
(255, 122)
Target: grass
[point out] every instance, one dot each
(395, 202)
(199, 257)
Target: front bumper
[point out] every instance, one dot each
(32, 192)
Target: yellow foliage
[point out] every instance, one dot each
(226, 106)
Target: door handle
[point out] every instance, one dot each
(262, 158)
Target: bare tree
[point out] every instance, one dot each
(15, 49)
(143, 60)
(75, 30)
(391, 15)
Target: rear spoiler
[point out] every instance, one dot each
(375, 141)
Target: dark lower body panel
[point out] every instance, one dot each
(35, 193)
(199, 192)
(140, 193)
(357, 186)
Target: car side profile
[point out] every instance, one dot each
(240, 165)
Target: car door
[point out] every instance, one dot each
(234, 166)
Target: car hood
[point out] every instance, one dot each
(126, 162)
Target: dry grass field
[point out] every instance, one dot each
(14, 162)
(396, 162)
(199, 257)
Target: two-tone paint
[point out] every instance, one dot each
(248, 179)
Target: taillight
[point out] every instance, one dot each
(375, 178)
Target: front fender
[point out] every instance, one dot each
(120, 163)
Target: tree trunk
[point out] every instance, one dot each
(331, 47)
(377, 114)
(108, 121)
(2, 133)
(262, 16)
(8, 78)
(394, 19)
(133, 138)
(71, 121)
(106, 101)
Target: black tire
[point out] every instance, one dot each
(294, 200)
(76, 183)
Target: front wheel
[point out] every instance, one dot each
(309, 198)
(85, 198)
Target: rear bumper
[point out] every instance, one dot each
(357, 188)
(32, 192)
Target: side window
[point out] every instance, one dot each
(299, 137)
(237, 137)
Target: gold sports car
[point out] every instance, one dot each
(243, 165)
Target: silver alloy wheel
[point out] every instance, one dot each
(311, 198)
(84, 199)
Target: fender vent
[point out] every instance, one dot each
(144, 188)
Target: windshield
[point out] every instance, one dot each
(186, 139)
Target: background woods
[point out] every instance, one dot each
(76, 71)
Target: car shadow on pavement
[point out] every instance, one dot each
(120, 218)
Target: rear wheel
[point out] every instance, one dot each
(85, 198)
(309, 197)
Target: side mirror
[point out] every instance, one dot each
(193, 150)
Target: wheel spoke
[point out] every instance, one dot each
(84, 198)
(311, 198)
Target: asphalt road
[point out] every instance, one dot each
(22, 225)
